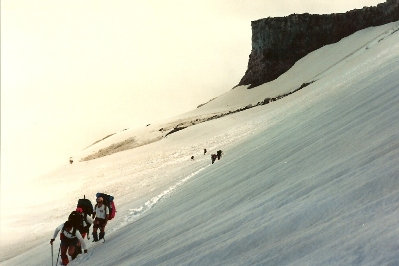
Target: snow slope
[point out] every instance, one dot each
(311, 179)
(309, 69)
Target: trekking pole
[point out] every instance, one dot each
(52, 255)
(58, 256)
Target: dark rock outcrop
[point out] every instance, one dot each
(277, 43)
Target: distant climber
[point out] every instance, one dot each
(213, 158)
(204, 151)
(219, 154)
(70, 160)
(192, 157)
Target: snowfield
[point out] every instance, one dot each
(309, 179)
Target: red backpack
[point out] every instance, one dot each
(112, 210)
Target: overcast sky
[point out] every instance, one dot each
(73, 72)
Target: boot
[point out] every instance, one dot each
(78, 250)
(64, 259)
(74, 255)
(102, 234)
(95, 237)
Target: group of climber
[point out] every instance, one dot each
(214, 156)
(75, 229)
(218, 155)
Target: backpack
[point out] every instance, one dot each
(109, 202)
(86, 205)
(76, 219)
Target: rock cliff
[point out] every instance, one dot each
(277, 43)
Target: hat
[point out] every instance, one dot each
(100, 199)
(79, 210)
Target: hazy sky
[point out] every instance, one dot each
(73, 72)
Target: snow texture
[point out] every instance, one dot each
(310, 179)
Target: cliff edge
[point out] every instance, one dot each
(277, 43)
